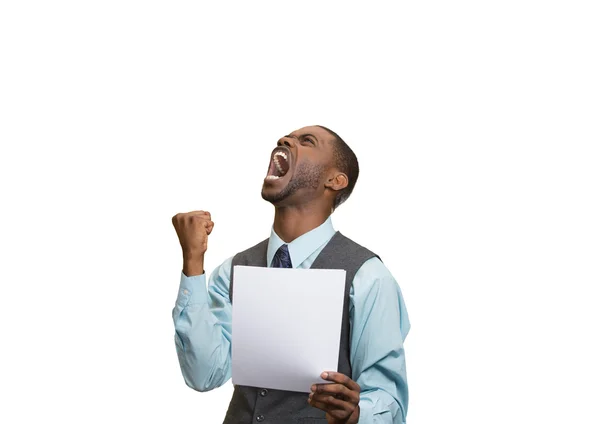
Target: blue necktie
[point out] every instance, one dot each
(282, 258)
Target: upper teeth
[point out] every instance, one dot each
(278, 166)
(282, 154)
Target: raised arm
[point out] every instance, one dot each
(202, 318)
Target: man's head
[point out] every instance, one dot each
(310, 164)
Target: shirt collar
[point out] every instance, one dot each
(301, 247)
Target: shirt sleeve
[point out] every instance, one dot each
(202, 321)
(378, 326)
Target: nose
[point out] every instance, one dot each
(286, 141)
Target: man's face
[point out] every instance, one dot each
(298, 166)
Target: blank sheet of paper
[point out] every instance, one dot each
(286, 326)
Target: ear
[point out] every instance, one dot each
(337, 181)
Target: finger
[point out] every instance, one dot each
(338, 377)
(201, 213)
(337, 412)
(329, 403)
(322, 406)
(209, 227)
(333, 400)
(346, 396)
(190, 216)
(338, 390)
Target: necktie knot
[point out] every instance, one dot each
(282, 258)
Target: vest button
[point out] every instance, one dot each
(260, 418)
(264, 392)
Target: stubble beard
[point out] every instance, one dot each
(306, 176)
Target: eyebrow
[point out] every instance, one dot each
(304, 135)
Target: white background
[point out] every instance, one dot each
(476, 125)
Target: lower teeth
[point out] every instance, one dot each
(272, 177)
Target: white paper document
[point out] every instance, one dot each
(286, 326)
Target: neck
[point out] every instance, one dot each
(293, 221)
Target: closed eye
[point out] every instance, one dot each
(309, 139)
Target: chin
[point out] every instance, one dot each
(271, 197)
(275, 196)
(268, 194)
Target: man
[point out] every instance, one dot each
(311, 172)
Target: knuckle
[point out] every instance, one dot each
(338, 415)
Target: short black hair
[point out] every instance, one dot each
(346, 161)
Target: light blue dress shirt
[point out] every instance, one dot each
(378, 326)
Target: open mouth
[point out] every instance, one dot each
(280, 164)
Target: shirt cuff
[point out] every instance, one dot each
(192, 290)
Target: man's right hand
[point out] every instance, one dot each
(193, 229)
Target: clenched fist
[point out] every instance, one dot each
(193, 229)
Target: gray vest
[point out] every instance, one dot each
(251, 405)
